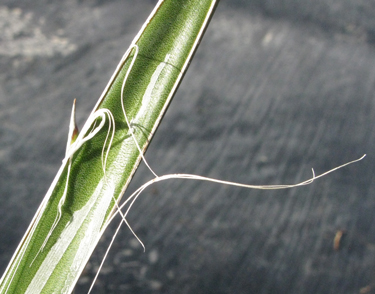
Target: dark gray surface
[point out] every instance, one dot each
(276, 87)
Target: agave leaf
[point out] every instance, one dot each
(101, 160)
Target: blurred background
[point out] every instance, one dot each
(276, 88)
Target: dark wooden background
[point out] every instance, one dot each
(276, 88)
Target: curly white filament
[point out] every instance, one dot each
(132, 198)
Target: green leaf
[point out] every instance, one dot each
(102, 159)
